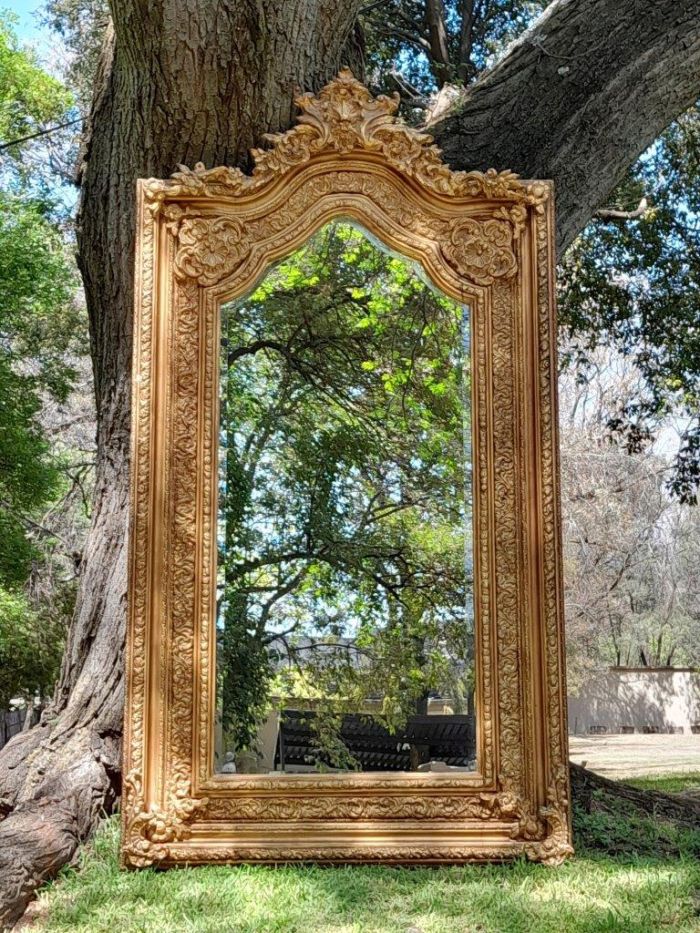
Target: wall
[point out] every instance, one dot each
(639, 699)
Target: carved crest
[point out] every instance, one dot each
(344, 117)
(348, 155)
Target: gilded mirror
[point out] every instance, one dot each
(345, 638)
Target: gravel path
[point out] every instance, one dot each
(619, 756)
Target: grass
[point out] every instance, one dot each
(634, 890)
(669, 783)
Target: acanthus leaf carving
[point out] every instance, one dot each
(482, 251)
(556, 844)
(344, 118)
(501, 806)
(209, 249)
(394, 854)
(148, 830)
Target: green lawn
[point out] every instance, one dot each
(669, 783)
(634, 891)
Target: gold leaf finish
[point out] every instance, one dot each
(209, 249)
(481, 251)
(150, 829)
(205, 236)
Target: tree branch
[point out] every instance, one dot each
(437, 32)
(46, 132)
(465, 39)
(608, 213)
(579, 97)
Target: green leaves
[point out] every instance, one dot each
(635, 285)
(41, 334)
(39, 325)
(30, 649)
(346, 526)
(29, 97)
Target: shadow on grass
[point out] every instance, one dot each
(592, 893)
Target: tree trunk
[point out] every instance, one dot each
(196, 81)
(594, 792)
(579, 97)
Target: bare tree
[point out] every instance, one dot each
(631, 555)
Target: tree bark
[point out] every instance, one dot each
(579, 97)
(194, 81)
(592, 791)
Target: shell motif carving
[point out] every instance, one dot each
(148, 831)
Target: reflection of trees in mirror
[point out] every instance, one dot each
(345, 611)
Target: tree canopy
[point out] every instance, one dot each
(346, 497)
(40, 334)
(29, 97)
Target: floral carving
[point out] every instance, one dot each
(348, 156)
(344, 117)
(147, 831)
(481, 251)
(503, 806)
(209, 248)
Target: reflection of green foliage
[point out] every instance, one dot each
(344, 405)
(246, 675)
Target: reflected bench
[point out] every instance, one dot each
(445, 738)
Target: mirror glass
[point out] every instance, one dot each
(345, 611)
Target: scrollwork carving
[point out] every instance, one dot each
(556, 844)
(502, 806)
(149, 830)
(396, 854)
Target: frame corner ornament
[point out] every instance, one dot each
(556, 845)
(149, 830)
(485, 239)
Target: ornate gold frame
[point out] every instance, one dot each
(205, 236)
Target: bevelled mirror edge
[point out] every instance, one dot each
(184, 256)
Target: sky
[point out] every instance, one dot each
(29, 29)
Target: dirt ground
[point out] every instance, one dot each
(620, 756)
